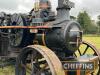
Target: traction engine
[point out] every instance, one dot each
(39, 43)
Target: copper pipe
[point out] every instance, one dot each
(24, 27)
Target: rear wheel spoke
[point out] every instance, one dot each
(41, 61)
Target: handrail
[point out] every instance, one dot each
(25, 27)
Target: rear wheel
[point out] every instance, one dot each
(38, 60)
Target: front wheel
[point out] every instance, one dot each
(90, 50)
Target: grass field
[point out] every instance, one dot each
(7, 71)
(95, 40)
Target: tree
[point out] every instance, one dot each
(85, 21)
(73, 17)
(98, 24)
(80, 19)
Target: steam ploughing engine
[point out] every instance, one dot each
(40, 42)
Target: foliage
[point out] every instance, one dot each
(73, 17)
(85, 21)
(91, 29)
(93, 39)
(98, 17)
(98, 24)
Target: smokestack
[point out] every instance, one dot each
(63, 9)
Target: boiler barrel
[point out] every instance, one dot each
(68, 37)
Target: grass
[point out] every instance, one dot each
(95, 40)
(7, 70)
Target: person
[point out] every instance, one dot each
(45, 4)
(45, 10)
(43, 13)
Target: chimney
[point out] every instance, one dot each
(63, 10)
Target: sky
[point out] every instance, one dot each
(24, 6)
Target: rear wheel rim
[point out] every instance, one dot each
(46, 65)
